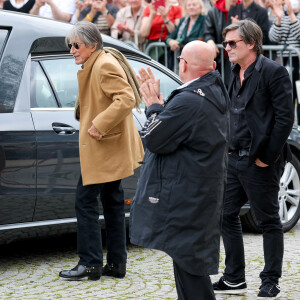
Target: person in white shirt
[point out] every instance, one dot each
(54, 9)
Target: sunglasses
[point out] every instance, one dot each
(75, 45)
(232, 44)
(179, 58)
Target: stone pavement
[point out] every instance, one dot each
(29, 270)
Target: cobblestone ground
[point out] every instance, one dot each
(30, 271)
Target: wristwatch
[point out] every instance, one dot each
(167, 22)
(105, 14)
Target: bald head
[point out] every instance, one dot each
(200, 60)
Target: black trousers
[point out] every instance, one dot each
(260, 186)
(89, 240)
(191, 287)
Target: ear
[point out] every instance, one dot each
(93, 48)
(251, 46)
(214, 64)
(184, 66)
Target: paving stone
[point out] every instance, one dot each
(34, 276)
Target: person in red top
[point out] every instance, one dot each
(158, 24)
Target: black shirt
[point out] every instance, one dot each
(24, 9)
(240, 136)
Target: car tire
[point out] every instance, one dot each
(288, 197)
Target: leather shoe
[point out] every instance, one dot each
(114, 270)
(80, 271)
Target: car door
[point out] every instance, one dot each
(17, 145)
(53, 95)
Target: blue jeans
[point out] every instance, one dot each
(89, 240)
(260, 186)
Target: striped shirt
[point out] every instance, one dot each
(286, 33)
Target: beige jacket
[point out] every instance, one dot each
(123, 15)
(106, 100)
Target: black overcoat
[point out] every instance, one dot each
(178, 203)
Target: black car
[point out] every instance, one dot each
(39, 159)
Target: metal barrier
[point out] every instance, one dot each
(270, 48)
(278, 49)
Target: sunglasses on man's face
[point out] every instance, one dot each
(232, 44)
(75, 45)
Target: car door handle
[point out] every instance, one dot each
(60, 128)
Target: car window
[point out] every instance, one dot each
(63, 75)
(41, 94)
(167, 84)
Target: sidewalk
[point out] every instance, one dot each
(33, 274)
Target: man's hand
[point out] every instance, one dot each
(148, 91)
(99, 5)
(40, 3)
(259, 163)
(123, 27)
(174, 45)
(278, 8)
(79, 5)
(94, 133)
(234, 19)
(148, 77)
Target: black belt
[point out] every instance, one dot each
(243, 152)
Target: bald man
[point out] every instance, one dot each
(178, 201)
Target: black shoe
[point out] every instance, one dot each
(269, 291)
(231, 288)
(79, 272)
(114, 270)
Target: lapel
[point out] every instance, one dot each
(255, 77)
(195, 26)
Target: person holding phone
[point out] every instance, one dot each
(160, 19)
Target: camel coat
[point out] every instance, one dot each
(106, 100)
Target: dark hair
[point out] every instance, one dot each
(249, 32)
(87, 32)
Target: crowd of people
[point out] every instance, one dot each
(175, 22)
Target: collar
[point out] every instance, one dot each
(128, 12)
(88, 64)
(251, 6)
(187, 83)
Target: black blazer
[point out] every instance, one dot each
(269, 110)
(257, 13)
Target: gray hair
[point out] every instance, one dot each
(87, 32)
(249, 32)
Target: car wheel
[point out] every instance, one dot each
(288, 197)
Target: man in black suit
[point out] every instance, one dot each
(249, 9)
(261, 118)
